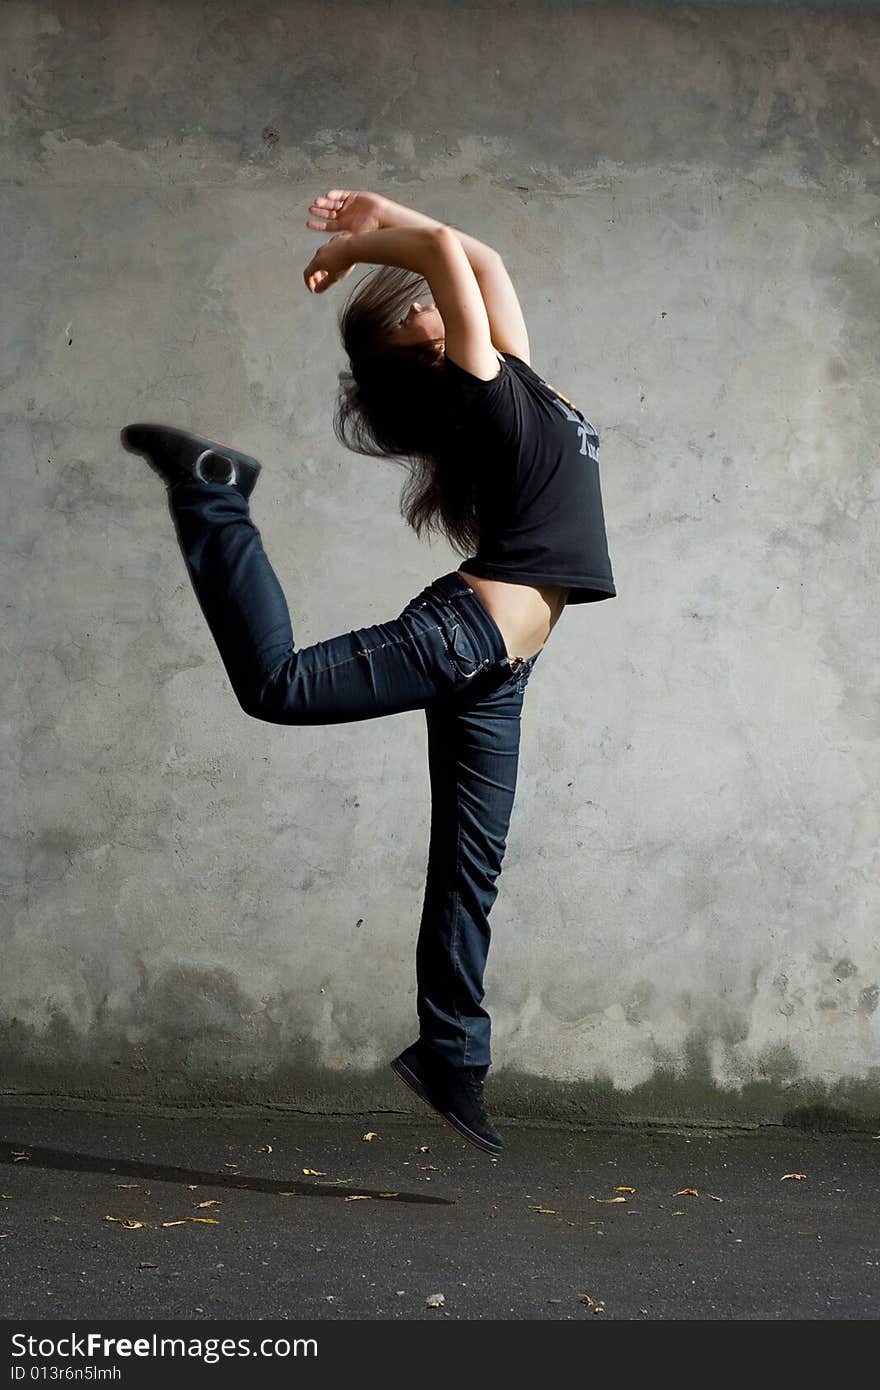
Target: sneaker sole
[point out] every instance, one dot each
(409, 1078)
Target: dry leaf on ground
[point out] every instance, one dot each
(314, 1173)
(624, 1189)
(435, 1300)
(199, 1220)
(211, 1202)
(798, 1177)
(686, 1192)
(357, 1197)
(425, 1148)
(128, 1222)
(370, 1136)
(596, 1304)
(610, 1201)
(545, 1211)
(265, 1148)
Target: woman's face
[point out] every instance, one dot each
(419, 324)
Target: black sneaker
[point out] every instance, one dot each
(456, 1093)
(181, 457)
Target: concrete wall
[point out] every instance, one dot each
(199, 906)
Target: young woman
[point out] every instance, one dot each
(500, 463)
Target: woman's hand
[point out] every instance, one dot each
(342, 210)
(329, 264)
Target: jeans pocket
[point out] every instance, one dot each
(462, 651)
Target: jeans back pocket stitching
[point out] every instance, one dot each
(445, 601)
(454, 655)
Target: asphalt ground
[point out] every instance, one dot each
(277, 1215)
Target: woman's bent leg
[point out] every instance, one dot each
(443, 645)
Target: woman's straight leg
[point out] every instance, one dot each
(473, 756)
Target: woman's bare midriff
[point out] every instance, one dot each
(525, 616)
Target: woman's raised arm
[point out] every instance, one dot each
(411, 248)
(342, 209)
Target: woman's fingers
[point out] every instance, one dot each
(327, 216)
(327, 222)
(314, 278)
(327, 208)
(324, 269)
(330, 202)
(321, 280)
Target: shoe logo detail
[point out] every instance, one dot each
(213, 471)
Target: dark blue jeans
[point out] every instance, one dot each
(444, 654)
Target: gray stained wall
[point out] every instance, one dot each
(197, 905)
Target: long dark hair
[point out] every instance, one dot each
(395, 403)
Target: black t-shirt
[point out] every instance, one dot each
(539, 500)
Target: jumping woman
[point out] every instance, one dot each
(501, 464)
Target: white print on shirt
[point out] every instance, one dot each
(585, 429)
